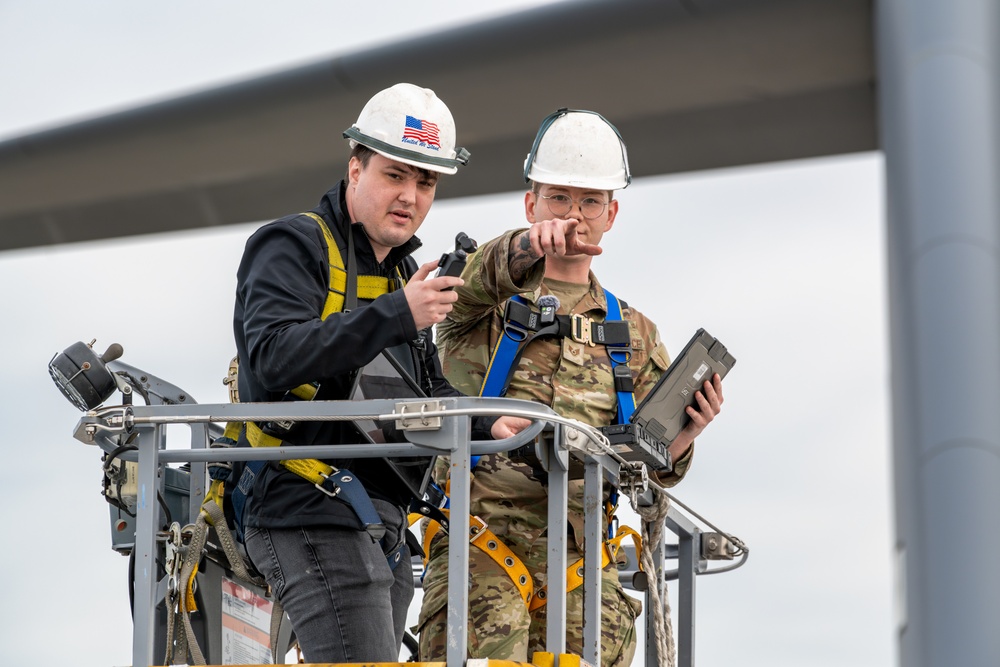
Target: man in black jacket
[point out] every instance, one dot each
(327, 560)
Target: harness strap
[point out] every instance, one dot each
(574, 573)
(483, 538)
(521, 324)
(211, 515)
(218, 471)
(486, 541)
(334, 482)
(620, 354)
(501, 363)
(369, 287)
(232, 432)
(521, 318)
(216, 492)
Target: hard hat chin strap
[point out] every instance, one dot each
(546, 122)
(556, 115)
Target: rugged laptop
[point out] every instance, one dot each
(661, 416)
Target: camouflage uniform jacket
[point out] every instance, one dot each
(573, 379)
(511, 496)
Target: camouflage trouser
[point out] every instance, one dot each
(500, 626)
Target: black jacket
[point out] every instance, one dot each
(282, 286)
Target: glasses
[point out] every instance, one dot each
(590, 207)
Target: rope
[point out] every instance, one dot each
(177, 640)
(186, 640)
(653, 517)
(168, 658)
(228, 544)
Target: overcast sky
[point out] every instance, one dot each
(784, 263)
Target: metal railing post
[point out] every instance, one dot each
(593, 500)
(147, 509)
(458, 544)
(689, 563)
(556, 561)
(199, 440)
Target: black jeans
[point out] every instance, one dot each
(344, 601)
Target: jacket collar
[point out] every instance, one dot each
(334, 207)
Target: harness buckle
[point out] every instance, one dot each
(580, 329)
(633, 479)
(476, 529)
(623, 379)
(322, 485)
(515, 332)
(516, 320)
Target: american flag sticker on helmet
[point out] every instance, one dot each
(423, 131)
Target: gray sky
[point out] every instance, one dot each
(784, 263)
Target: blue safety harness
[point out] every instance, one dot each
(521, 324)
(516, 335)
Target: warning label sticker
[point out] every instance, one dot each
(246, 626)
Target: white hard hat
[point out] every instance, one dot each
(578, 148)
(411, 125)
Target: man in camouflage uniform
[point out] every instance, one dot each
(578, 161)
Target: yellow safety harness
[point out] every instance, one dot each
(482, 537)
(368, 287)
(609, 554)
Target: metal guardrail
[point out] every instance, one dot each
(103, 427)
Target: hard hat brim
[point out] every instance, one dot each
(440, 165)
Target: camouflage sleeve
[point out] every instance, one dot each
(488, 283)
(680, 469)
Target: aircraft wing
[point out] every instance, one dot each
(691, 84)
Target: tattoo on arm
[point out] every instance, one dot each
(522, 258)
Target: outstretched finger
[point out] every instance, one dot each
(587, 249)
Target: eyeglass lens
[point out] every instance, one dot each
(561, 204)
